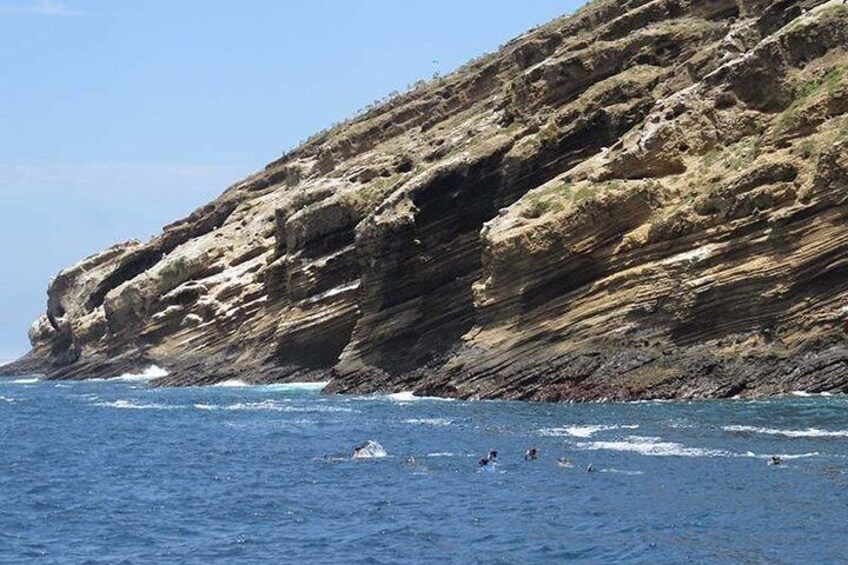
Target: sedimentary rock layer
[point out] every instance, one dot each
(646, 199)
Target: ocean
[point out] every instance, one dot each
(116, 472)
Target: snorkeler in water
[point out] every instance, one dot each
(774, 461)
(490, 459)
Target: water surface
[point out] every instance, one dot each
(115, 472)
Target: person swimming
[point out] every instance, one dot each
(564, 462)
(590, 469)
(489, 461)
(774, 461)
(531, 454)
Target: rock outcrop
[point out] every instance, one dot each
(646, 199)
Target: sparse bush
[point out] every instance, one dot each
(537, 206)
(833, 80)
(806, 148)
(548, 135)
(711, 157)
(582, 194)
(791, 117)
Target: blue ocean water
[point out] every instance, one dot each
(114, 472)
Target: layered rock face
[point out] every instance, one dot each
(647, 199)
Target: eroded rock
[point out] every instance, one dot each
(646, 199)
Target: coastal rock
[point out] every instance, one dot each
(646, 199)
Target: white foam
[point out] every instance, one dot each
(403, 397)
(440, 422)
(149, 374)
(272, 406)
(655, 401)
(410, 396)
(653, 447)
(30, 381)
(265, 405)
(622, 472)
(280, 387)
(799, 455)
(130, 405)
(233, 383)
(657, 447)
(678, 425)
(298, 387)
(582, 431)
(441, 454)
(370, 450)
(808, 433)
(322, 408)
(7, 399)
(805, 394)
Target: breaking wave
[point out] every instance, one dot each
(808, 433)
(584, 432)
(805, 394)
(232, 383)
(370, 450)
(29, 381)
(797, 455)
(277, 387)
(410, 396)
(130, 405)
(297, 387)
(653, 447)
(403, 397)
(272, 406)
(149, 374)
(657, 447)
(440, 422)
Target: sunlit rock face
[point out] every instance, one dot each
(641, 200)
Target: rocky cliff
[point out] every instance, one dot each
(646, 199)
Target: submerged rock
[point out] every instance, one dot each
(641, 200)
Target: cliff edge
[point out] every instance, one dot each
(646, 199)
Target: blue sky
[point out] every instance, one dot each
(118, 117)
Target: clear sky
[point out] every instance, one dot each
(117, 116)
